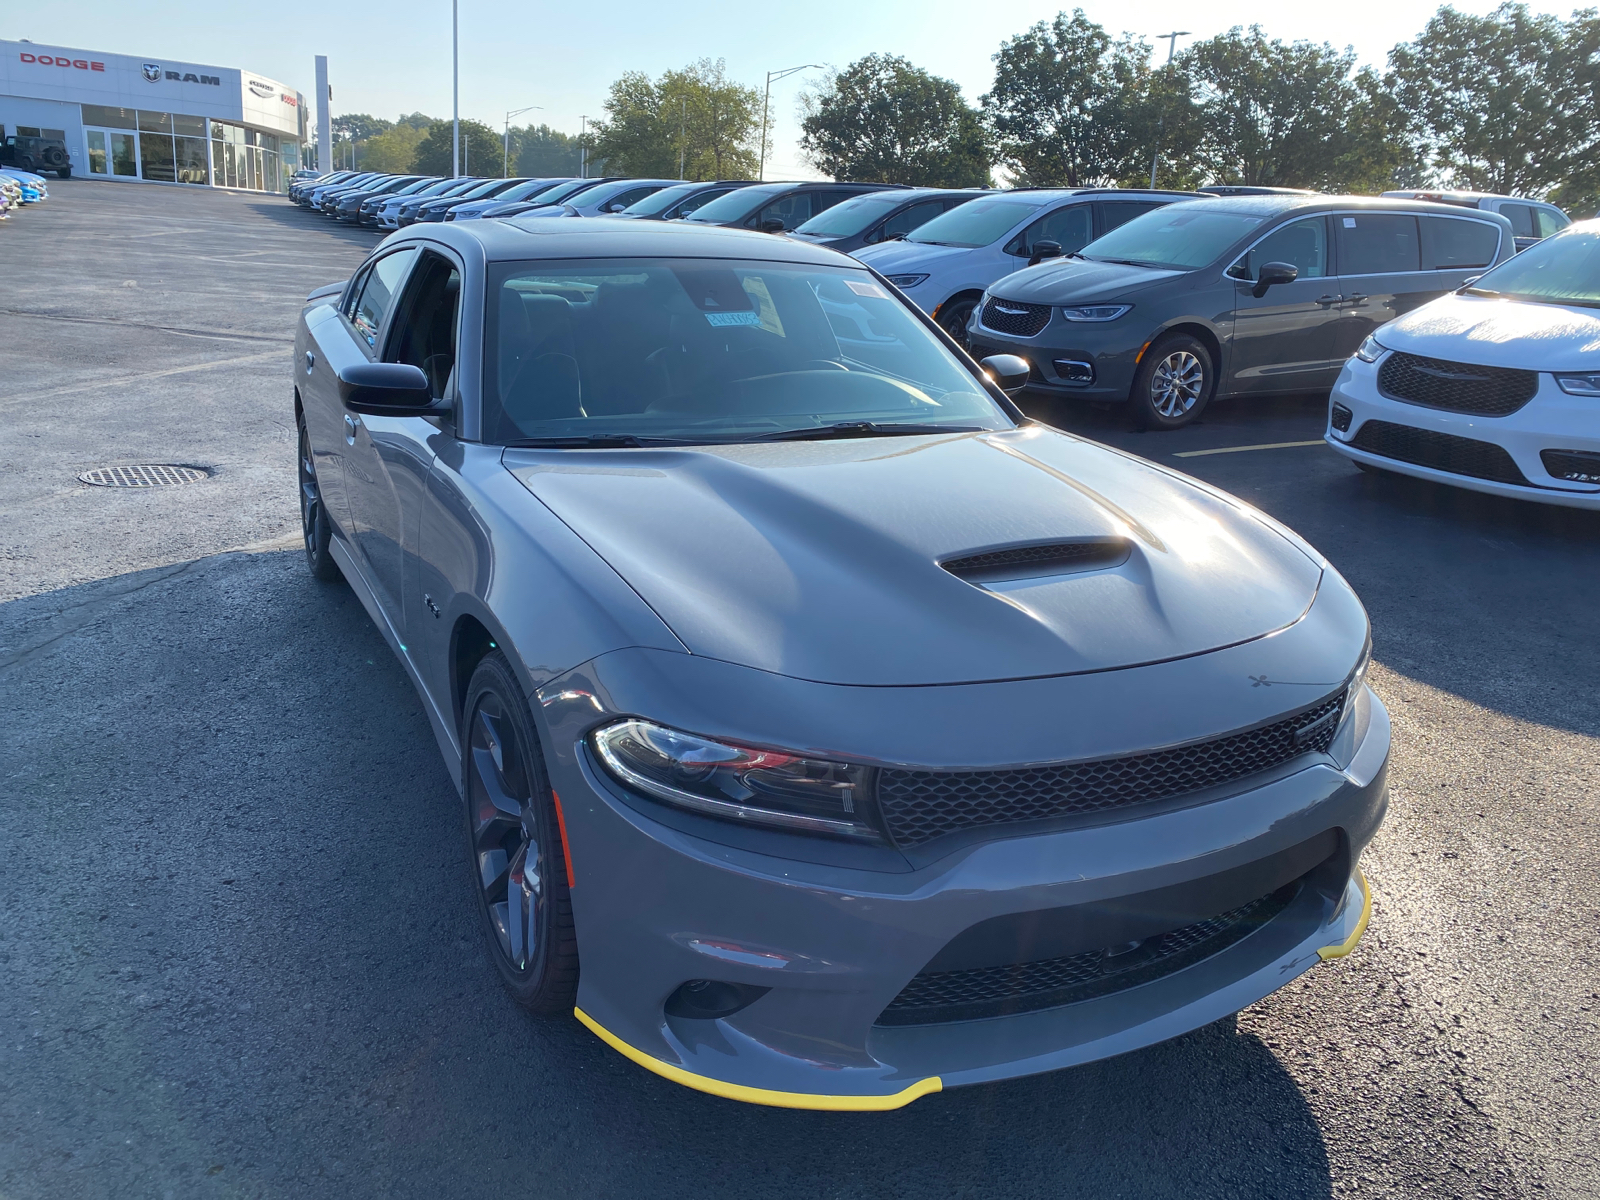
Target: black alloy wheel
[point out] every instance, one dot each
(518, 857)
(314, 527)
(953, 318)
(1173, 384)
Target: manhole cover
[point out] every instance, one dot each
(147, 476)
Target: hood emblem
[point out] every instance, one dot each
(1010, 312)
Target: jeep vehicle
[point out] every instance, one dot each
(33, 153)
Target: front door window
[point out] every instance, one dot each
(98, 162)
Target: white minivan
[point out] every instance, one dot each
(945, 265)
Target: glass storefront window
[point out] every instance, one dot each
(191, 160)
(124, 155)
(188, 126)
(155, 155)
(154, 122)
(109, 118)
(97, 151)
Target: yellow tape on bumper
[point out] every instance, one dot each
(751, 1095)
(1349, 944)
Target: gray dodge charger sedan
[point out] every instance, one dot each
(827, 733)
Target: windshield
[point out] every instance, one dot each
(1564, 269)
(710, 350)
(657, 203)
(736, 206)
(980, 222)
(1179, 237)
(853, 216)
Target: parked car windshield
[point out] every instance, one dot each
(1564, 269)
(852, 216)
(1180, 237)
(737, 205)
(979, 222)
(708, 350)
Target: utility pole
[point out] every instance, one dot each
(324, 117)
(766, 102)
(455, 89)
(583, 147)
(1161, 125)
(505, 167)
(683, 125)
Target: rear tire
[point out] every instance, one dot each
(1173, 384)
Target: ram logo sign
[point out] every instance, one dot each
(152, 72)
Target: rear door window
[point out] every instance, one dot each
(377, 294)
(1378, 243)
(1550, 221)
(1521, 218)
(1452, 242)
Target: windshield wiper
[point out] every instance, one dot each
(852, 429)
(598, 440)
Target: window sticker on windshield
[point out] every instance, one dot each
(1349, 222)
(870, 290)
(756, 288)
(734, 318)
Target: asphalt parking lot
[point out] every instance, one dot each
(238, 955)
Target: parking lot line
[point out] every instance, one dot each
(1241, 449)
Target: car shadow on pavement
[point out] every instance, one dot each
(243, 958)
(280, 210)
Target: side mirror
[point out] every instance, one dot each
(1042, 251)
(773, 225)
(616, 207)
(1271, 273)
(387, 390)
(1009, 371)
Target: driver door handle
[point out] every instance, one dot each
(1355, 298)
(351, 424)
(1327, 301)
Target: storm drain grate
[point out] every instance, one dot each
(149, 475)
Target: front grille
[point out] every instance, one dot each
(920, 805)
(938, 997)
(1015, 318)
(1575, 466)
(1441, 451)
(1456, 387)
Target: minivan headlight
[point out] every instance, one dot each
(1579, 385)
(906, 281)
(1095, 312)
(741, 783)
(1370, 350)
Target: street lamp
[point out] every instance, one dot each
(767, 100)
(455, 91)
(505, 168)
(1161, 125)
(583, 147)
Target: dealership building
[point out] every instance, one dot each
(136, 119)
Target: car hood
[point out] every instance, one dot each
(1072, 280)
(820, 560)
(904, 258)
(1488, 332)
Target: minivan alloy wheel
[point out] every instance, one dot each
(1176, 384)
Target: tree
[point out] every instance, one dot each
(480, 150)
(1508, 102)
(539, 151)
(394, 149)
(358, 127)
(695, 117)
(884, 120)
(1069, 106)
(1282, 114)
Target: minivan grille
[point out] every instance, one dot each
(920, 805)
(1015, 318)
(939, 997)
(1441, 451)
(1456, 387)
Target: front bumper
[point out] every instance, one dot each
(1063, 351)
(662, 897)
(1552, 421)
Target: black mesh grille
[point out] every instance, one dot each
(1456, 387)
(937, 997)
(920, 805)
(1441, 451)
(1030, 559)
(1015, 318)
(1578, 466)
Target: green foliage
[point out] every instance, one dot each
(358, 127)
(696, 116)
(1506, 102)
(538, 151)
(884, 120)
(480, 150)
(392, 150)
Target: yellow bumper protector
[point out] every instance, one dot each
(1342, 948)
(753, 1095)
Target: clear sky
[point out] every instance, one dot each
(392, 57)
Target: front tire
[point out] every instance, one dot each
(1173, 384)
(953, 318)
(314, 526)
(514, 836)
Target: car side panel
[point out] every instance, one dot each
(326, 348)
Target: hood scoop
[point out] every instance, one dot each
(1038, 560)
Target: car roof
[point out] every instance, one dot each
(1272, 206)
(509, 239)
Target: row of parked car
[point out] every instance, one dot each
(19, 188)
(1162, 300)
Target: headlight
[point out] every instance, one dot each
(1357, 680)
(760, 787)
(1370, 349)
(1579, 385)
(906, 281)
(1095, 312)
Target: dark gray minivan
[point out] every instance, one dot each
(1238, 296)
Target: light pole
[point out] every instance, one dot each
(505, 167)
(1161, 125)
(583, 147)
(455, 90)
(766, 101)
